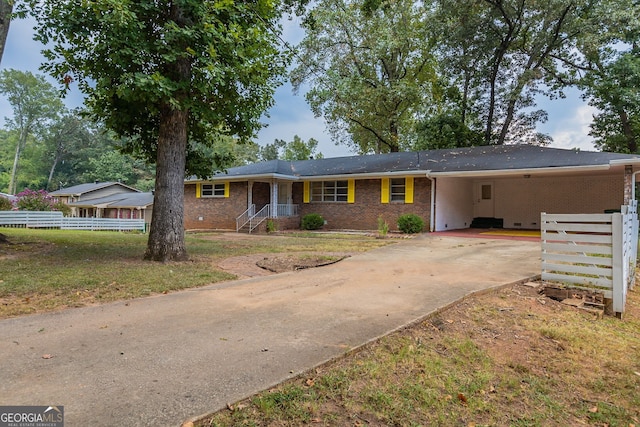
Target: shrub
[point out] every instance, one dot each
(62, 207)
(30, 200)
(410, 223)
(383, 226)
(272, 227)
(5, 204)
(312, 222)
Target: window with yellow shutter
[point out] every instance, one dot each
(397, 189)
(214, 190)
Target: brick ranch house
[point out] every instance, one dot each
(490, 186)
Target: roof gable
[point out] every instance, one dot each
(119, 200)
(80, 189)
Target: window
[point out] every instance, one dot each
(486, 191)
(398, 189)
(213, 190)
(329, 191)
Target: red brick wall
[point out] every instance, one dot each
(260, 194)
(217, 213)
(363, 214)
(220, 213)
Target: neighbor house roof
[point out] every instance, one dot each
(80, 189)
(457, 161)
(119, 200)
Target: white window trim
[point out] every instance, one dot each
(397, 196)
(313, 196)
(215, 188)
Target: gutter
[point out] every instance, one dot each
(630, 161)
(526, 171)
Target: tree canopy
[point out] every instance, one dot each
(35, 103)
(167, 76)
(297, 149)
(370, 68)
(606, 66)
(391, 75)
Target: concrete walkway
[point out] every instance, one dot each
(161, 360)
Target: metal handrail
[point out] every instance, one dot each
(260, 216)
(245, 217)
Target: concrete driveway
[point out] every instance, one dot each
(161, 360)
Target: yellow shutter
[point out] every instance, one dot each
(351, 191)
(384, 190)
(198, 190)
(408, 190)
(305, 196)
(226, 189)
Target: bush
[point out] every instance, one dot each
(410, 223)
(312, 222)
(30, 200)
(62, 207)
(5, 204)
(383, 226)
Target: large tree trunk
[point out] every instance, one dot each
(6, 7)
(166, 237)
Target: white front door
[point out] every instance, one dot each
(284, 193)
(484, 200)
(284, 199)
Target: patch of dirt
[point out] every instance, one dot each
(265, 264)
(280, 264)
(13, 250)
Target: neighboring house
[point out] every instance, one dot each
(490, 186)
(8, 196)
(106, 200)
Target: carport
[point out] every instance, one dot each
(514, 199)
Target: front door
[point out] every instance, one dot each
(284, 193)
(284, 199)
(484, 200)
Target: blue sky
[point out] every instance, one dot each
(568, 122)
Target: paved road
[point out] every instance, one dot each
(161, 360)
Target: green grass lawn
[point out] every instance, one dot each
(43, 270)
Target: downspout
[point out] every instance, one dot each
(432, 219)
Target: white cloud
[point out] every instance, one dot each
(573, 131)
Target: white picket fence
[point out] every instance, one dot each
(592, 251)
(30, 219)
